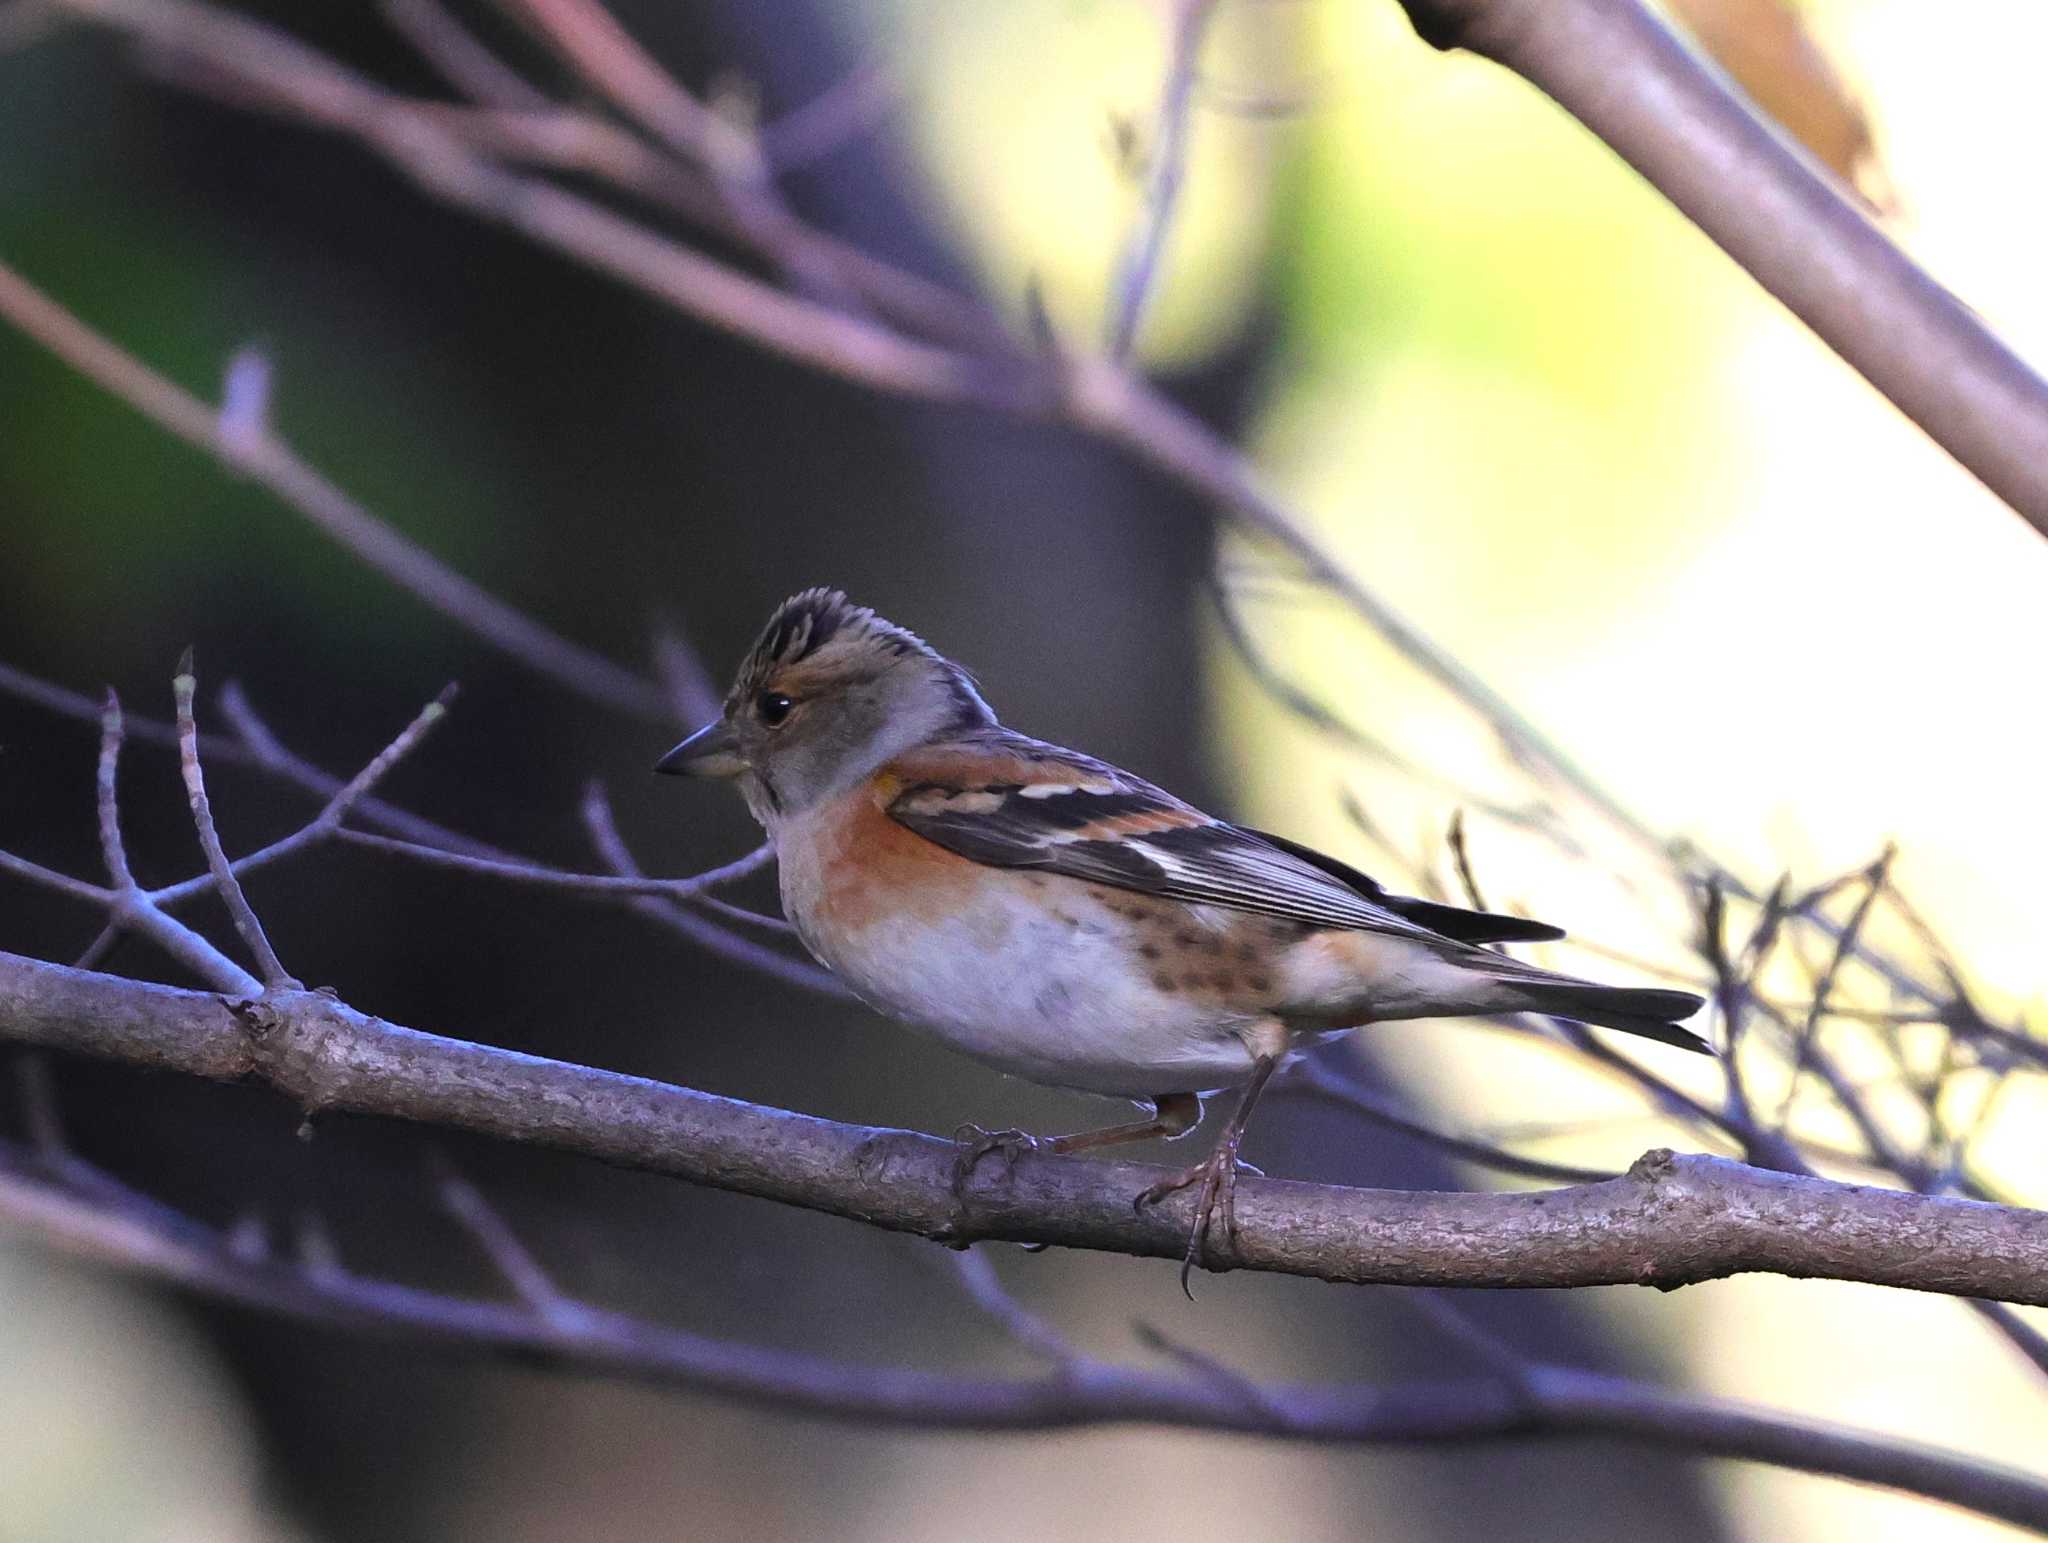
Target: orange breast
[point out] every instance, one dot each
(869, 868)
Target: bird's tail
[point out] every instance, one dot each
(1652, 1012)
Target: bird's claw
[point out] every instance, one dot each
(976, 1143)
(1216, 1176)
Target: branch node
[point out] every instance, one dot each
(1655, 1165)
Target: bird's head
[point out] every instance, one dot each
(828, 693)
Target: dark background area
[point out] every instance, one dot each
(611, 469)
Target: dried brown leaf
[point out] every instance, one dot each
(1768, 49)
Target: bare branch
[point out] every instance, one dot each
(1138, 269)
(49, 878)
(835, 117)
(113, 851)
(541, 876)
(326, 824)
(260, 456)
(694, 697)
(1670, 1221)
(1824, 988)
(1615, 67)
(183, 685)
(611, 848)
(494, 1235)
(126, 904)
(463, 61)
(977, 1276)
(253, 746)
(141, 1237)
(98, 950)
(589, 38)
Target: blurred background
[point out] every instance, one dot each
(1515, 393)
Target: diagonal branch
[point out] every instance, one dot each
(1138, 269)
(252, 451)
(1618, 69)
(1670, 1221)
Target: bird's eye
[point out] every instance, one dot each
(773, 707)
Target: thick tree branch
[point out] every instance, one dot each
(1671, 1221)
(1619, 70)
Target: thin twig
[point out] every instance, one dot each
(40, 1112)
(693, 695)
(325, 825)
(616, 855)
(126, 905)
(1137, 272)
(183, 685)
(1443, 1310)
(832, 119)
(1455, 839)
(113, 852)
(540, 876)
(1227, 1380)
(1874, 877)
(976, 1276)
(142, 1238)
(267, 460)
(253, 746)
(494, 1235)
(592, 42)
(460, 57)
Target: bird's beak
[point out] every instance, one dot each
(710, 752)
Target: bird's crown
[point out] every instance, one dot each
(807, 624)
(821, 641)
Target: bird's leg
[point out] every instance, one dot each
(1173, 1114)
(1216, 1174)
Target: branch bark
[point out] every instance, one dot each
(1619, 70)
(1670, 1221)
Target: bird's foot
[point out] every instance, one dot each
(1214, 1180)
(976, 1143)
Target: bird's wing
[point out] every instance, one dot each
(1453, 921)
(1018, 803)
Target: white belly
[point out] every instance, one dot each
(1047, 992)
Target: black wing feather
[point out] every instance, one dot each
(1450, 920)
(1202, 861)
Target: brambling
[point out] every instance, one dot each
(1068, 922)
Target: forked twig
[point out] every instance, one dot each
(183, 685)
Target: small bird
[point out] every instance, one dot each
(1067, 922)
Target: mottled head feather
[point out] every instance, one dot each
(819, 644)
(803, 624)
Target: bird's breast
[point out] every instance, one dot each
(1064, 982)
